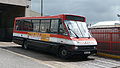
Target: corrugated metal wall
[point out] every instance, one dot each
(108, 39)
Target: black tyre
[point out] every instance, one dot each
(64, 53)
(25, 45)
(84, 57)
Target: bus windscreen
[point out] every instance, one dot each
(75, 18)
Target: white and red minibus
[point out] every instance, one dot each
(65, 35)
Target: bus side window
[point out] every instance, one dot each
(45, 25)
(17, 27)
(54, 26)
(24, 25)
(36, 25)
(62, 30)
(27, 25)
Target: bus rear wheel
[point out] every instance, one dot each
(25, 45)
(64, 53)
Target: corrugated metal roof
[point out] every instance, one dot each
(106, 24)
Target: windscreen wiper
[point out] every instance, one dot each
(88, 34)
(80, 30)
(72, 31)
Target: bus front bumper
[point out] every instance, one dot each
(83, 50)
(86, 52)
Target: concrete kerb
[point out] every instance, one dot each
(108, 55)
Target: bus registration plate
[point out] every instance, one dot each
(87, 52)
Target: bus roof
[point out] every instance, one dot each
(56, 16)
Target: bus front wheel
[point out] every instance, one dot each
(64, 53)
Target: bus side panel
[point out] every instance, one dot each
(18, 40)
(20, 37)
(43, 45)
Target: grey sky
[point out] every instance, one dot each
(93, 10)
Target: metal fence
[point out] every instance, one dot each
(108, 39)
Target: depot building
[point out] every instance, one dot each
(9, 9)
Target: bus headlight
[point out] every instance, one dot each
(95, 47)
(76, 47)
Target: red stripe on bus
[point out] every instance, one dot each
(83, 39)
(22, 32)
(60, 36)
(42, 17)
